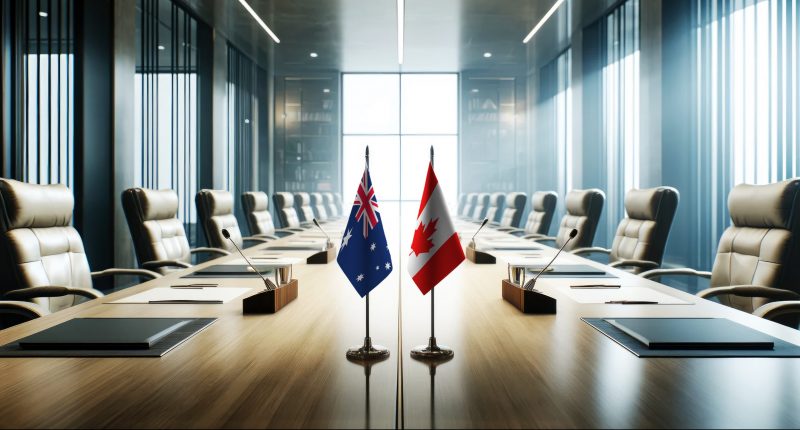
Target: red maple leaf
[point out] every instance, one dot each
(422, 235)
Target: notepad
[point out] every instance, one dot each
(231, 270)
(216, 295)
(623, 293)
(692, 333)
(103, 334)
(568, 270)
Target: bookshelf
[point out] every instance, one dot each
(307, 131)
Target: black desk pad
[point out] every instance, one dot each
(159, 349)
(232, 271)
(782, 348)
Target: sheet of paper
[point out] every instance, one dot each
(259, 260)
(600, 296)
(185, 295)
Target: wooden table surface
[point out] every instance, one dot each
(509, 369)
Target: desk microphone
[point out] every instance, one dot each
(530, 284)
(316, 223)
(267, 283)
(472, 241)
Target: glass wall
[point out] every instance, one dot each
(400, 116)
(166, 101)
(621, 108)
(45, 39)
(747, 62)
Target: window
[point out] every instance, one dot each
(746, 101)
(555, 121)
(400, 116)
(621, 107)
(166, 127)
(47, 123)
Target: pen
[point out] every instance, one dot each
(630, 302)
(194, 286)
(595, 286)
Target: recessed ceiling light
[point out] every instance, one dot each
(43, 14)
(326, 90)
(487, 55)
(474, 90)
(313, 55)
(543, 20)
(259, 21)
(401, 9)
(161, 47)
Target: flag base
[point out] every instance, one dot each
(431, 351)
(367, 352)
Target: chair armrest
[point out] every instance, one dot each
(26, 294)
(266, 236)
(283, 232)
(293, 229)
(255, 239)
(775, 310)
(592, 250)
(209, 250)
(642, 264)
(133, 272)
(509, 229)
(657, 273)
(27, 310)
(155, 264)
(540, 238)
(750, 291)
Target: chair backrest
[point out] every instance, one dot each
(584, 208)
(156, 231)
(515, 205)
(318, 207)
(462, 201)
(39, 246)
(330, 205)
(215, 212)
(495, 209)
(302, 202)
(481, 206)
(337, 200)
(643, 234)
(284, 207)
(543, 207)
(761, 247)
(469, 206)
(256, 211)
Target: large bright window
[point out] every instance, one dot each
(400, 117)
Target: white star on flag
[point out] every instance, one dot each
(347, 238)
(388, 266)
(372, 247)
(360, 277)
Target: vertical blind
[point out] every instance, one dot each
(242, 110)
(44, 38)
(747, 62)
(166, 127)
(555, 119)
(621, 107)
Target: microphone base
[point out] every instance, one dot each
(528, 301)
(269, 302)
(479, 257)
(323, 257)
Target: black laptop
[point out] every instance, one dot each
(104, 334)
(692, 333)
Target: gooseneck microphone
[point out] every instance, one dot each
(472, 241)
(267, 283)
(532, 283)
(328, 244)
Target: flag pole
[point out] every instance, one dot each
(367, 351)
(432, 351)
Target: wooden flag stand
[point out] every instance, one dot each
(367, 351)
(432, 351)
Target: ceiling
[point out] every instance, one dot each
(361, 35)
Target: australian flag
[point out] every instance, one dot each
(364, 254)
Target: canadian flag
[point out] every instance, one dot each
(435, 249)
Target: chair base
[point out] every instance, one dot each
(269, 302)
(528, 301)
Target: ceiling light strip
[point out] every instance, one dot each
(543, 20)
(401, 7)
(260, 21)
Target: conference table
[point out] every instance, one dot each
(289, 369)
